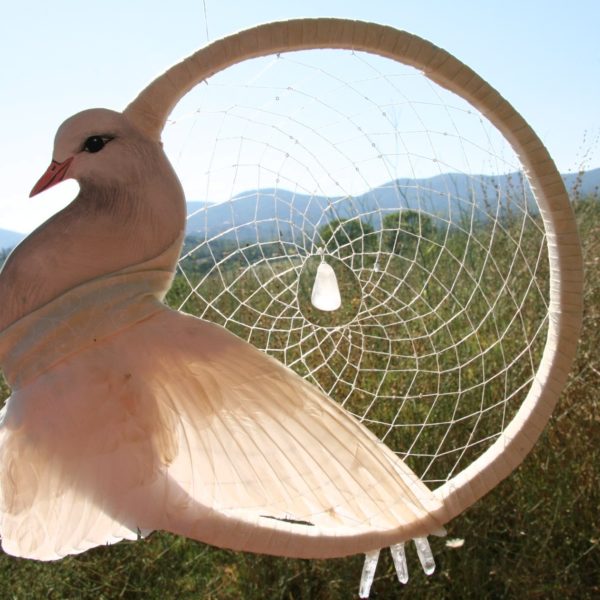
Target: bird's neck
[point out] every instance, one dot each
(102, 231)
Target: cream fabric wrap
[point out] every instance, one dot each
(154, 104)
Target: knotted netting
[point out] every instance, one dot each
(422, 208)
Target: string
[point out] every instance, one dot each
(205, 21)
(419, 206)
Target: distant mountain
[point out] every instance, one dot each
(255, 214)
(250, 215)
(583, 184)
(8, 239)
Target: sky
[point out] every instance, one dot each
(62, 57)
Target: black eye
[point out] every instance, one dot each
(95, 143)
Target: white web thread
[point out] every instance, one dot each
(447, 317)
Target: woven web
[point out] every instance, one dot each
(420, 207)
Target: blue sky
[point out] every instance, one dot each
(61, 57)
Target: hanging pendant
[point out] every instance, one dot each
(326, 292)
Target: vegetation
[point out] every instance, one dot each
(406, 228)
(349, 236)
(537, 535)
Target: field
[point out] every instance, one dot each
(537, 535)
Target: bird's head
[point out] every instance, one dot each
(100, 147)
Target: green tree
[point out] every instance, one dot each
(406, 230)
(346, 237)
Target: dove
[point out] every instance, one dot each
(127, 417)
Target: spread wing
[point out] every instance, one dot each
(177, 424)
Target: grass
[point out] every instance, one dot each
(424, 348)
(536, 535)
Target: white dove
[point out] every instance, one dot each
(127, 417)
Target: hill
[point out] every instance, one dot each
(251, 215)
(448, 196)
(8, 239)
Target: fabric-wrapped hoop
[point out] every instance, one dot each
(151, 108)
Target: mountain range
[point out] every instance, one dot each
(250, 215)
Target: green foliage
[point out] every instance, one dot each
(537, 535)
(405, 229)
(413, 236)
(344, 237)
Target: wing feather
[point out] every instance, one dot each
(176, 424)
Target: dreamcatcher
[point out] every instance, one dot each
(389, 227)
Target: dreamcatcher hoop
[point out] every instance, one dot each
(152, 107)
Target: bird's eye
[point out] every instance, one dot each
(95, 143)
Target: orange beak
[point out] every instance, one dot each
(55, 173)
